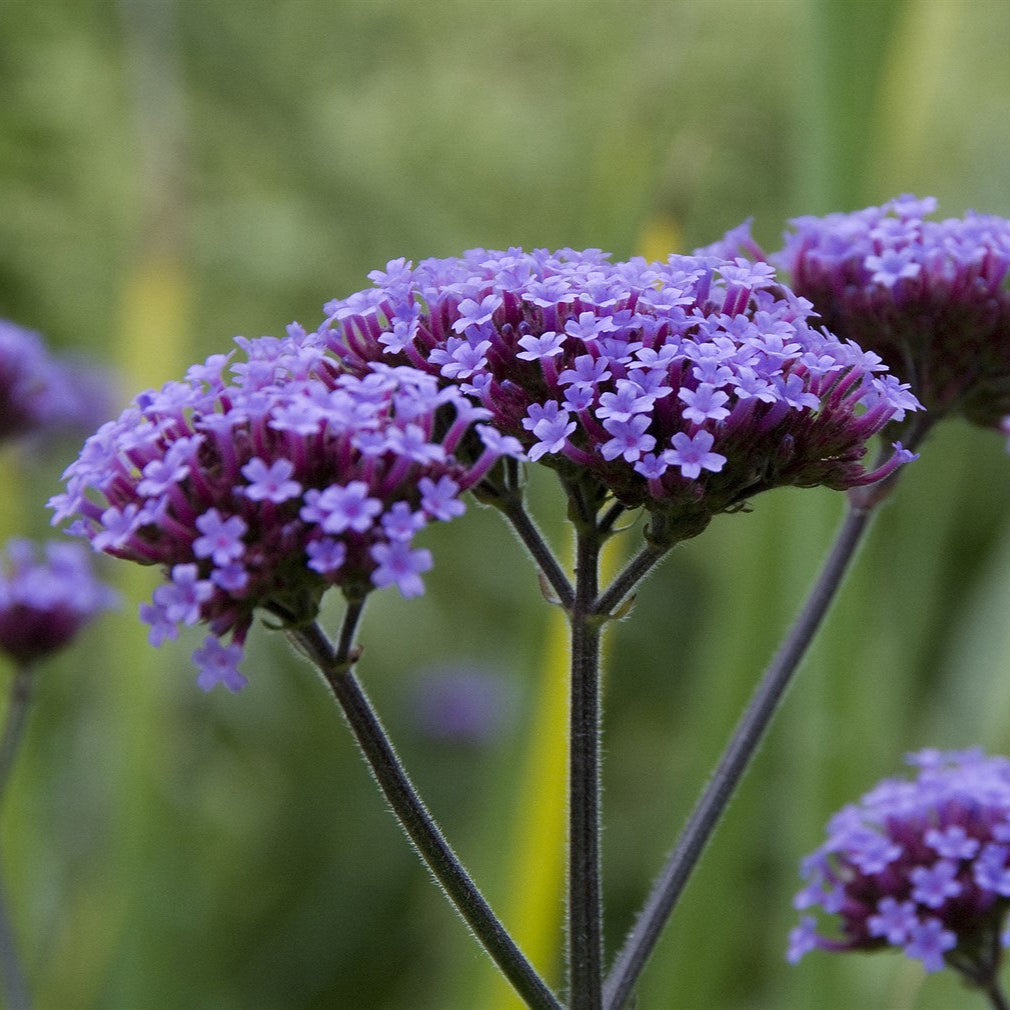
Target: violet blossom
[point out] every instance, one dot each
(260, 483)
(930, 297)
(685, 387)
(47, 594)
(41, 393)
(922, 866)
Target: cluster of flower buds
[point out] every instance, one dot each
(686, 386)
(921, 865)
(930, 297)
(259, 483)
(45, 601)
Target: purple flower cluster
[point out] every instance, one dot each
(45, 601)
(920, 865)
(930, 297)
(684, 386)
(40, 393)
(263, 482)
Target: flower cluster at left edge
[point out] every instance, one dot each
(260, 483)
(47, 594)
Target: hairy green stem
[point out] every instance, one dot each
(410, 811)
(14, 983)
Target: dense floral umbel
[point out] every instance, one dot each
(686, 386)
(931, 297)
(40, 393)
(46, 597)
(922, 865)
(260, 483)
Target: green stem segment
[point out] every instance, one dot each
(734, 762)
(410, 811)
(14, 983)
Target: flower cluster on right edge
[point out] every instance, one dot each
(930, 297)
(920, 865)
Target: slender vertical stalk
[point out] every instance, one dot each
(585, 926)
(410, 811)
(12, 976)
(734, 762)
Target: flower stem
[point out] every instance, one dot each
(410, 811)
(514, 510)
(585, 916)
(996, 997)
(734, 762)
(15, 985)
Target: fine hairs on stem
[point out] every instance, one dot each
(335, 666)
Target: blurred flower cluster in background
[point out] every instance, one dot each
(175, 174)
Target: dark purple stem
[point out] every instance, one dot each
(410, 811)
(585, 914)
(743, 744)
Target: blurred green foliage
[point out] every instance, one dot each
(173, 173)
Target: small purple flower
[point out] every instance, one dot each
(271, 483)
(45, 601)
(940, 891)
(930, 297)
(692, 453)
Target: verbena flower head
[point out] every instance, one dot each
(40, 393)
(262, 482)
(46, 596)
(922, 866)
(685, 386)
(930, 297)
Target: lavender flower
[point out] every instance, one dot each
(930, 297)
(686, 386)
(45, 602)
(40, 393)
(920, 865)
(263, 482)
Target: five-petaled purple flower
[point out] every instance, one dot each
(930, 297)
(265, 487)
(686, 386)
(921, 865)
(45, 601)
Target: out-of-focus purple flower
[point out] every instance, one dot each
(46, 597)
(930, 297)
(462, 706)
(921, 865)
(686, 386)
(266, 485)
(41, 394)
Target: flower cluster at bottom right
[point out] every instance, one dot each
(922, 865)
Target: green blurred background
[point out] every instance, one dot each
(175, 172)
